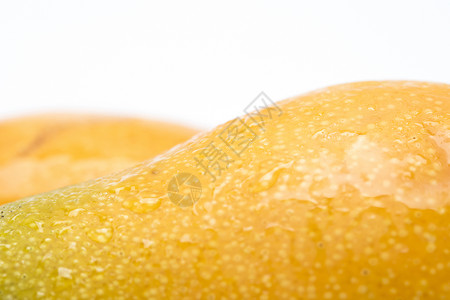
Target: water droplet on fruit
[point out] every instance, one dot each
(101, 235)
(269, 179)
(266, 181)
(142, 205)
(144, 201)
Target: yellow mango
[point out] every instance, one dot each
(341, 193)
(44, 152)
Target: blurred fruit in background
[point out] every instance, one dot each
(44, 152)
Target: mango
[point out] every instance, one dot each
(43, 152)
(341, 193)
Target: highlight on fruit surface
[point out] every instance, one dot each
(342, 193)
(43, 152)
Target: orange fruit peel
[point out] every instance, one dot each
(342, 193)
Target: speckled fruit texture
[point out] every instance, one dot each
(342, 193)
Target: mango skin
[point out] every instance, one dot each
(40, 153)
(345, 195)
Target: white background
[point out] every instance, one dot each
(201, 62)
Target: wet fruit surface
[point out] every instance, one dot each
(342, 195)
